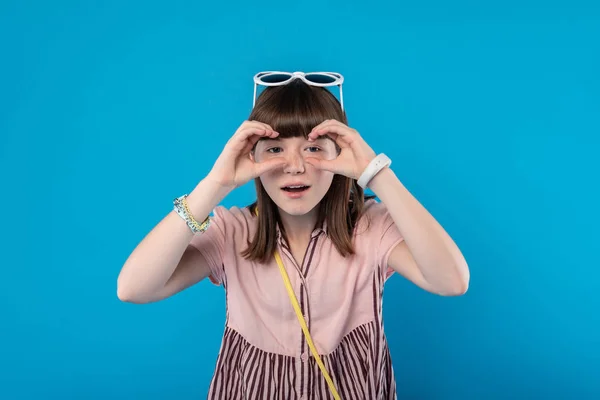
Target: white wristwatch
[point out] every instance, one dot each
(376, 165)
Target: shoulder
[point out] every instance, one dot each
(373, 214)
(232, 214)
(375, 219)
(232, 219)
(375, 209)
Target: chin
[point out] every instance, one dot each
(296, 209)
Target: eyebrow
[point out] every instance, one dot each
(277, 139)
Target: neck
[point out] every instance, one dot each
(298, 228)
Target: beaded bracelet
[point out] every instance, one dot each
(182, 209)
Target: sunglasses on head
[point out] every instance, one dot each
(279, 78)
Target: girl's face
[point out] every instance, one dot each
(297, 187)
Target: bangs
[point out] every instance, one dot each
(295, 109)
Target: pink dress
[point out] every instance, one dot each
(264, 354)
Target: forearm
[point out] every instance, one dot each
(156, 257)
(437, 256)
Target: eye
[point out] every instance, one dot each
(274, 150)
(314, 149)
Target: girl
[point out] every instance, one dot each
(304, 266)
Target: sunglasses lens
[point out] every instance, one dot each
(274, 78)
(320, 78)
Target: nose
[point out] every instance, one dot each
(294, 165)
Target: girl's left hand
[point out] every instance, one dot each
(355, 153)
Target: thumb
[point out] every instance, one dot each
(327, 165)
(269, 165)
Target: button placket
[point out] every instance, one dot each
(303, 300)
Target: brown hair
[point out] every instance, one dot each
(294, 110)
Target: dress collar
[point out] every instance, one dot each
(316, 232)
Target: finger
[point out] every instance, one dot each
(339, 133)
(250, 143)
(340, 141)
(256, 124)
(326, 165)
(253, 140)
(332, 126)
(253, 124)
(240, 140)
(326, 122)
(314, 135)
(243, 134)
(269, 165)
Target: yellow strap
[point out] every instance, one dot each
(288, 286)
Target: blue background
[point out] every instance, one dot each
(490, 112)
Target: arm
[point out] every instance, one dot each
(164, 262)
(428, 256)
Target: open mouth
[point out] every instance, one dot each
(295, 189)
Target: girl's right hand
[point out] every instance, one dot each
(234, 167)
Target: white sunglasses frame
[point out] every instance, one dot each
(338, 80)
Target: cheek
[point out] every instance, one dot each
(266, 179)
(269, 181)
(324, 178)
